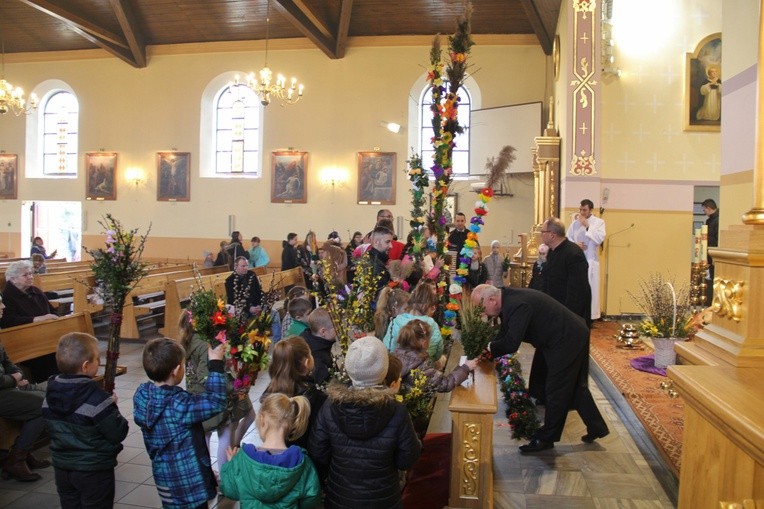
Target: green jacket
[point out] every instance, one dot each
(260, 480)
(85, 427)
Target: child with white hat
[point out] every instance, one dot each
(362, 435)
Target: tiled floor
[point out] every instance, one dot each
(612, 473)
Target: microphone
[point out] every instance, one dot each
(623, 230)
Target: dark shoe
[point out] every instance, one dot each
(34, 463)
(16, 467)
(591, 437)
(536, 445)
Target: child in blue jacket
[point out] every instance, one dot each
(171, 421)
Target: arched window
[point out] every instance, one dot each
(52, 132)
(236, 131)
(230, 137)
(59, 134)
(461, 155)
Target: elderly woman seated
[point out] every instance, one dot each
(22, 402)
(25, 303)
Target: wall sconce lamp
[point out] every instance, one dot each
(391, 126)
(334, 177)
(135, 176)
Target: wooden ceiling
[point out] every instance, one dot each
(125, 28)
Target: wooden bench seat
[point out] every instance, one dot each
(34, 340)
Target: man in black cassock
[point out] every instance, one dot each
(563, 339)
(566, 280)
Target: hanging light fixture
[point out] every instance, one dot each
(12, 99)
(262, 83)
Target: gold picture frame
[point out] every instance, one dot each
(9, 176)
(376, 178)
(101, 176)
(703, 86)
(289, 170)
(173, 176)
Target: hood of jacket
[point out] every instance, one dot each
(270, 483)
(411, 360)
(361, 413)
(285, 244)
(158, 400)
(67, 393)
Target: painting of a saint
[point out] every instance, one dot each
(376, 178)
(703, 105)
(8, 176)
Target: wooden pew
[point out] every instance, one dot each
(34, 340)
(282, 280)
(472, 410)
(177, 294)
(145, 298)
(148, 297)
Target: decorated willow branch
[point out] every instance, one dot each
(445, 125)
(419, 181)
(117, 269)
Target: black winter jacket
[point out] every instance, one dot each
(363, 437)
(85, 426)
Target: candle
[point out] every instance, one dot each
(696, 246)
(704, 243)
(523, 247)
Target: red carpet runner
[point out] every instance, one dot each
(661, 416)
(427, 485)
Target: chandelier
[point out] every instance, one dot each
(12, 99)
(262, 83)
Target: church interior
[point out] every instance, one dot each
(617, 117)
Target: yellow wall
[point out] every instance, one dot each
(139, 112)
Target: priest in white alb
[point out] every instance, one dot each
(588, 231)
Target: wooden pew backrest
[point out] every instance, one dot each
(37, 339)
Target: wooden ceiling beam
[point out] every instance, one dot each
(76, 22)
(534, 17)
(291, 11)
(343, 29)
(117, 51)
(130, 28)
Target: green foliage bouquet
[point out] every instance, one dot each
(477, 332)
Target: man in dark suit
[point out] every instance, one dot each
(563, 340)
(566, 280)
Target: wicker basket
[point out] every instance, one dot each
(664, 352)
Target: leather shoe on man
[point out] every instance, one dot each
(591, 437)
(536, 445)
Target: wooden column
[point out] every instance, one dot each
(472, 410)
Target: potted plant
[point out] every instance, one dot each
(668, 316)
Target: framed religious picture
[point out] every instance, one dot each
(289, 171)
(376, 178)
(703, 86)
(9, 176)
(100, 175)
(173, 176)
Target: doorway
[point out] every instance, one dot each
(58, 223)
